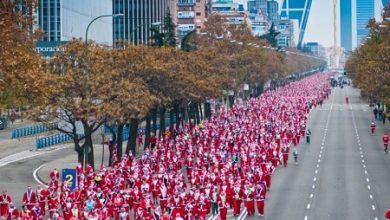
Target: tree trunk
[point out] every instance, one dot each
(79, 150)
(147, 130)
(197, 115)
(154, 119)
(200, 111)
(88, 148)
(207, 110)
(185, 116)
(133, 132)
(177, 115)
(119, 152)
(162, 122)
(171, 121)
(111, 146)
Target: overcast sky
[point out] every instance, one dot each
(320, 24)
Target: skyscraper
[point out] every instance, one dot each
(256, 5)
(354, 16)
(297, 10)
(346, 24)
(273, 11)
(365, 10)
(139, 17)
(62, 20)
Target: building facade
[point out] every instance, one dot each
(297, 10)
(259, 23)
(273, 11)
(189, 15)
(286, 33)
(62, 20)
(365, 10)
(354, 16)
(139, 17)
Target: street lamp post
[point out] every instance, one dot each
(93, 20)
(86, 148)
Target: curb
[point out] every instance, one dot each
(38, 178)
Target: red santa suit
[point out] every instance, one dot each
(54, 174)
(42, 195)
(237, 199)
(5, 200)
(285, 152)
(249, 201)
(13, 213)
(260, 197)
(29, 198)
(223, 209)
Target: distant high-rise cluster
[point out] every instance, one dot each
(354, 16)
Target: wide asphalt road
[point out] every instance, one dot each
(343, 174)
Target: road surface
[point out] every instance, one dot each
(342, 174)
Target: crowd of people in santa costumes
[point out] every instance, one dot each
(223, 163)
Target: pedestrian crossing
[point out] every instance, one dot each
(230, 215)
(345, 107)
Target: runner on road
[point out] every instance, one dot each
(385, 140)
(372, 126)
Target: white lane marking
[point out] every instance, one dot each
(243, 217)
(362, 161)
(313, 186)
(320, 152)
(242, 214)
(318, 165)
(373, 207)
(370, 196)
(319, 160)
(308, 206)
(35, 175)
(315, 179)
(316, 171)
(369, 187)
(364, 166)
(368, 180)
(365, 171)
(305, 217)
(311, 196)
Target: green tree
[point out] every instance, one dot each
(186, 44)
(271, 36)
(169, 29)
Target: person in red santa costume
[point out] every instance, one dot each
(249, 200)
(285, 152)
(53, 203)
(237, 199)
(13, 212)
(29, 198)
(54, 174)
(5, 200)
(42, 195)
(223, 208)
(260, 197)
(36, 212)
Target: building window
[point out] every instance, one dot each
(198, 13)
